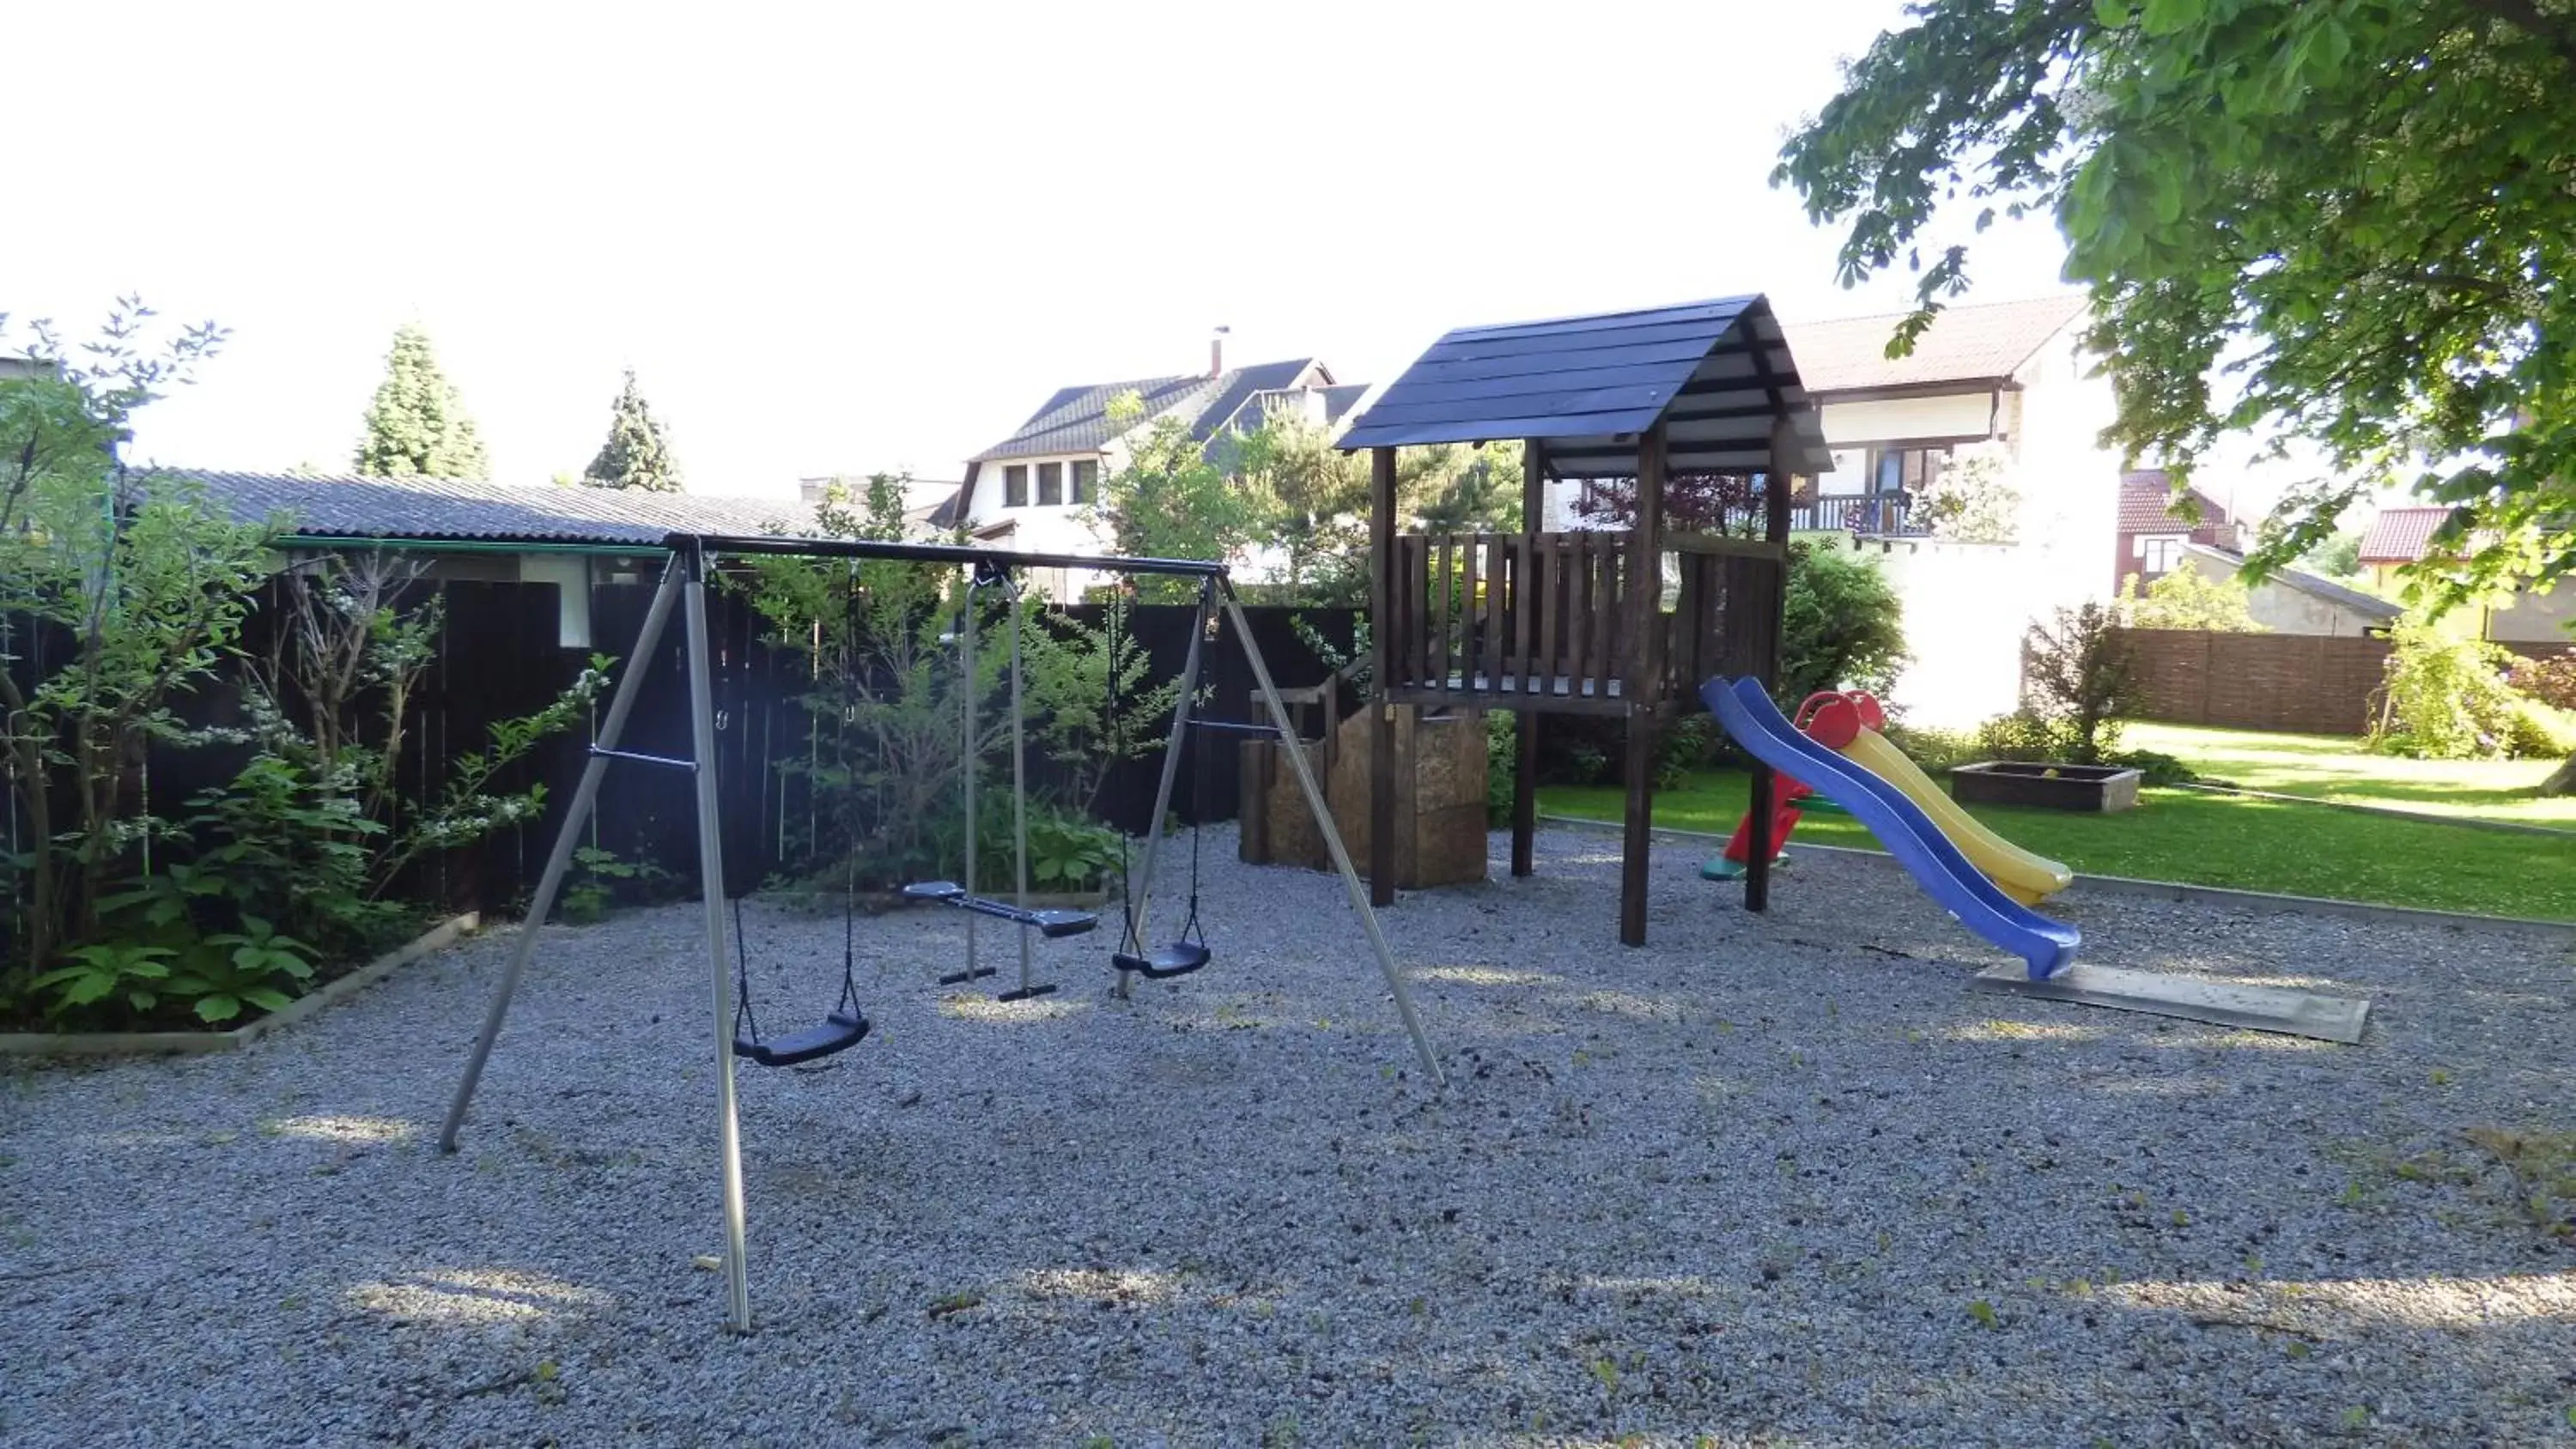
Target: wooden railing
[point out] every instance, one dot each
(1547, 617)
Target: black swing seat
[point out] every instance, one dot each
(1050, 924)
(1172, 958)
(842, 1030)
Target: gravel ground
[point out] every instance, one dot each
(1769, 1181)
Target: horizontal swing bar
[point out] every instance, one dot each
(663, 760)
(955, 553)
(1232, 727)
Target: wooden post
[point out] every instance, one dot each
(1640, 691)
(1775, 528)
(1382, 613)
(1525, 722)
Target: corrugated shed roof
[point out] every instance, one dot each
(1716, 373)
(2401, 535)
(447, 508)
(1968, 344)
(2147, 503)
(2366, 605)
(1076, 419)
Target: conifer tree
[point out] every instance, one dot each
(417, 425)
(636, 454)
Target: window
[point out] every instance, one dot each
(1086, 482)
(1050, 484)
(1015, 486)
(1905, 470)
(2160, 556)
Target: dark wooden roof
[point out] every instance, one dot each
(1716, 373)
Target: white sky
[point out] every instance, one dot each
(851, 238)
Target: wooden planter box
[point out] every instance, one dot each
(2054, 787)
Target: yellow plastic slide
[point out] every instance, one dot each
(2025, 877)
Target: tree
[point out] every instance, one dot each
(1170, 500)
(2353, 213)
(636, 454)
(1842, 625)
(1971, 501)
(417, 425)
(1719, 503)
(1318, 504)
(2188, 599)
(144, 586)
(2338, 557)
(2079, 679)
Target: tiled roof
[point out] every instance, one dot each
(2147, 501)
(447, 508)
(2401, 535)
(1968, 344)
(1076, 419)
(2365, 605)
(1238, 388)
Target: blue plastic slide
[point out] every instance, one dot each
(1973, 901)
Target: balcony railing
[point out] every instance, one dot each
(1866, 515)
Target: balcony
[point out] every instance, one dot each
(1862, 515)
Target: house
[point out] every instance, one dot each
(2292, 601)
(2154, 535)
(579, 538)
(2401, 536)
(1030, 490)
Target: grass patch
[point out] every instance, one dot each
(2328, 767)
(2204, 839)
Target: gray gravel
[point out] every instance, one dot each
(1774, 1180)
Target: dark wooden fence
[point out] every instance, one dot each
(499, 658)
(2307, 683)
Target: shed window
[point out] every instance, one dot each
(1015, 486)
(1050, 484)
(1086, 482)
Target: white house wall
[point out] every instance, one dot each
(2536, 618)
(1963, 632)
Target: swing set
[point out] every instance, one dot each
(738, 1037)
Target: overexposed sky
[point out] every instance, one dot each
(851, 238)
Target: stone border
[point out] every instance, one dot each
(203, 1043)
(2168, 890)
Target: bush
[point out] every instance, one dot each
(2447, 699)
(1841, 625)
(1502, 743)
(1937, 749)
(2078, 679)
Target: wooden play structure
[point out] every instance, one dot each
(1439, 779)
(1585, 621)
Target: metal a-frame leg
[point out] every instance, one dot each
(585, 798)
(1295, 752)
(711, 888)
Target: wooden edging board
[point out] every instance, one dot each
(198, 1043)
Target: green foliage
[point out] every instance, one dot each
(598, 877)
(1067, 853)
(2078, 680)
(636, 454)
(234, 970)
(2337, 556)
(1352, 663)
(2449, 699)
(1170, 500)
(1841, 627)
(2186, 599)
(2330, 204)
(417, 425)
(1502, 741)
(1937, 750)
(1075, 718)
(130, 970)
(148, 584)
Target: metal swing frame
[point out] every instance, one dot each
(684, 585)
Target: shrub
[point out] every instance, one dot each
(1841, 625)
(2184, 599)
(1937, 749)
(1502, 743)
(2447, 699)
(2078, 679)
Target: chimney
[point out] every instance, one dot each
(1216, 352)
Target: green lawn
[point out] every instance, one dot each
(2205, 839)
(2333, 768)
